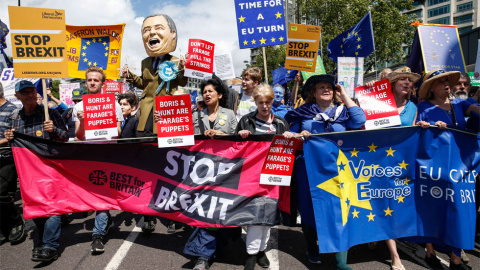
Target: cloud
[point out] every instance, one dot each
(211, 20)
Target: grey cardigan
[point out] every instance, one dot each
(225, 121)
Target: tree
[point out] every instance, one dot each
(275, 59)
(56, 88)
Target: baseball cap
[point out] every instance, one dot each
(23, 84)
(78, 93)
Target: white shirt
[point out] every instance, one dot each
(245, 106)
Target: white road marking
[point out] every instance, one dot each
(123, 250)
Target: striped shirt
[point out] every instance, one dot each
(262, 127)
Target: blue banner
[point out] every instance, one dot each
(283, 75)
(441, 48)
(260, 23)
(391, 183)
(355, 42)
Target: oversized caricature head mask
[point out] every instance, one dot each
(159, 35)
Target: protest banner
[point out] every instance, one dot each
(379, 105)
(100, 118)
(200, 59)
(350, 73)
(65, 93)
(94, 45)
(8, 81)
(319, 69)
(302, 47)
(260, 23)
(38, 42)
(474, 81)
(175, 127)
(278, 165)
(223, 66)
(217, 187)
(112, 86)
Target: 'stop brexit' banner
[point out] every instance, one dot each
(260, 23)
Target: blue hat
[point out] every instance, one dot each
(312, 82)
(23, 84)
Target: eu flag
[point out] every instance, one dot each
(355, 42)
(282, 75)
(3, 35)
(94, 52)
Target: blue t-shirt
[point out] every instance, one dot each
(431, 113)
(279, 110)
(355, 120)
(407, 116)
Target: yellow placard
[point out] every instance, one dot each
(38, 42)
(94, 45)
(302, 47)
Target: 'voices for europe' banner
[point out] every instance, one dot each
(214, 183)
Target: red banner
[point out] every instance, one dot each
(100, 117)
(175, 127)
(214, 183)
(200, 59)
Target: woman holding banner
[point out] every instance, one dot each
(322, 112)
(261, 121)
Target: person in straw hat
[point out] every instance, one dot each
(437, 108)
(402, 81)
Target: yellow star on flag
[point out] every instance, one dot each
(104, 43)
(344, 186)
(356, 34)
(273, 39)
(400, 199)
(280, 38)
(89, 63)
(355, 213)
(279, 15)
(358, 39)
(106, 48)
(245, 42)
(388, 212)
(403, 165)
(356, 53)
(242, 19)
(88, 42)
(84, 47)
(407, 181)
(390, 152)
(254, 41)
(95, 64)
(106, 54)
(85, 59)
(358, 46)
(349, 34)
(342, 51)
(262, 41)
(83, 54)
(94, 40)
(344, 39)
(372, 147)
(370, 217)
(354, 153)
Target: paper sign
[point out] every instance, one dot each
(65, 92)
(379, 105)
(302, 47)
(350, 73)
(224, 66)
(38, 42)
(175, 127)
(319, 69)
(474, 81)
(100, 118)
(8, 81)
(112, 86)
(200, 59)
(278, 166)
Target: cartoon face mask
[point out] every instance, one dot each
(278, 91)
(158, 37)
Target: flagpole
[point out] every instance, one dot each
(45, 99)
(265, 64)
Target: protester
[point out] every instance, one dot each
(437, 109)
(30, 120)
(251, 77)
(215, 119)
(55, 103)
(261, 121)
(278, 108)
(95, 77)
(12, 224)
(67, 114)
(322, 112)
(128, 103)
(200, 104)
(296, 97)
(462, 87)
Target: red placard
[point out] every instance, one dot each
(200, 59)
(278, 166)
(379, 105)
(112, 86)
(100, 119)
(175, 127)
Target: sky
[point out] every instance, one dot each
(210, 20)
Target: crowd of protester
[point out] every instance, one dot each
(322, 105)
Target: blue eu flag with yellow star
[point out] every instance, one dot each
(94, 52)
(355, 42)
(383, 184)
(283, 75)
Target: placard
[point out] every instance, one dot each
(99, 116)
(112, 86)
(350, 73)
(302, 47)
(39, 47)
(65, 93)
(8, 81)
(223, 66)
(200, 59)
(278, 166)
(379, 105)
(175, 127)
(319, 69)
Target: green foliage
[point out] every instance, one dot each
(55, 88)
(275, 59)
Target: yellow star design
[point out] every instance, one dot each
(106, 48)
(407, 181)
(95, 64)
(356, 53)
(254, 41)
(388, 212)
(342, 51)
(242, 19)
(85, 59)
(371, 217)
(400, 199)
(358, 46)
(280, 38)
(358, 39)
(89, 63)
(273, 39)
(349, 34)
(390, 152)
(344, 39)
(88, 42)
(355, 213)
(100, 40)
(262, 41)
(356, 34)
(341, 46)
(106, 54)
(354, 153)
(245, 42)
(403, 165)
(349, 190)
(372, 147)
(279, 15)
(84, 47)
(83, 54)
(94, 40)
(104, 43)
